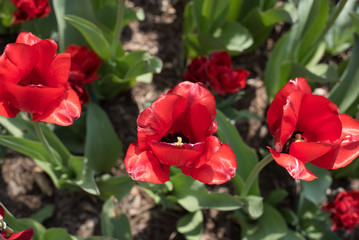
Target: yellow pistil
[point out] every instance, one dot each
(298, 138)
(179, 142)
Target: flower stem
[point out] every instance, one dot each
(254, 174)
(45, 143)
(118, 27)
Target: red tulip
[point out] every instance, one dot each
(309, 128)
(196, 70)
(8, 234)
(33, 78)
(84, 64)
(30, 9)
(344, 210)
(176, 131)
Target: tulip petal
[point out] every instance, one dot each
(8, 110)
(27, 38)
(308, 151)
(220, 166)
(282, 118)
(172, 155)
(154, 122)
(23, 235)
(346, 149)
(143, 166)
(17, 62)
(196, 93)
(65, 113)
(295, 168)
(59, 70)
(32, 98)
(319, 119)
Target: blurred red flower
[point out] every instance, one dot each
(8, 234)
(84, 65)
(309, 128)
(33, 78)
(176, 131)
(344, 210)
(218, 72)
(196, 70)
(30, 9)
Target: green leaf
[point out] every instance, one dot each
(44, 213)
(246, 158)
(22, 224)
(355, 18)
(294, 70)
(150, 65)
(292, 235)
(346, 93)
(210, 14)
(316, 190)
(118, 186)
(113, 222)
(270, 226)
(55, 234)
(67, 33)
(253, 206)
(84, 176)
(276, 196)
(193, 195)
(92, 33)
(260, 24)
(235, 37)
(110, 85)
(191, 225)
(102, 147)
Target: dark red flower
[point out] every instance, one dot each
(196, 70)
(309, 128)
(8, 234)
(84, 64)
(30, 9)
(222, 77)
(80, 91)
(344, 210)
(33, 78)
(176, 131)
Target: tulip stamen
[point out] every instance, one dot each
(298, 138)
(179, 142)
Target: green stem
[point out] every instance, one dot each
(254, 174)
(329, 24)
(45, 143)
(118, 27)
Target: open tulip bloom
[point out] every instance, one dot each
(176, 130)
(309, 128)
(33, 79)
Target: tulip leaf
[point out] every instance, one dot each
(270, 226)
(118, 186)
(316, 190)
(210, 15)
(260, 24)
(67, 33)
(246, 158)
(193, 195)
(253, 206)
(44, 213)
(345, 94)
(110, 85)
(113, 222)
(292, 235)
(355, 18)
(92, 33)
(23, 223)
(235, 37)
(102, 147)
(191, 225)
(55, 234)
(276, 196)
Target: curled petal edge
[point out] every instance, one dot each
(295, 167)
